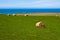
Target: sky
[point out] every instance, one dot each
(29, 3)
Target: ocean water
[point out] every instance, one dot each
(26, 11)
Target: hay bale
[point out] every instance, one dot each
(25, 14)
(8, 14)
(14, 14)
(40, 24)
(57, 15)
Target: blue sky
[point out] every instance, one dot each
(29, 3)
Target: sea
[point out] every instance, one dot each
(27, 11)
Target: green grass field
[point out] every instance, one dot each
(23, 28)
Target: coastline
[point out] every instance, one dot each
(39, 14)
(33, 14)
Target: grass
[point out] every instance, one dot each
(23, 28)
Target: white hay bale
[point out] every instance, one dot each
(37, 24)
(25, 15)
(13, 14)
(8, 14)
(56, 15)
(40, 24)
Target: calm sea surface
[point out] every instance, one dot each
(25, 11)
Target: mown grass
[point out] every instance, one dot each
(23, 28)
